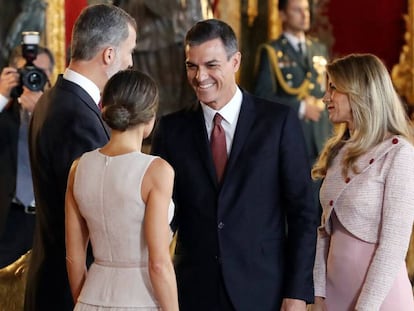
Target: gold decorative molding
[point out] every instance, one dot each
(55, 34)
(252, 11)
(403, 73)
(229, 11)
(275, 25)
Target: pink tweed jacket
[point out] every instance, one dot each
(377, 206)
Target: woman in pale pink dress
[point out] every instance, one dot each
(367, 194)
(120, 199)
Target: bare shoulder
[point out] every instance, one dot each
(160, 170)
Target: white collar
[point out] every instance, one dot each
(229, 112)
(90, 87)
(293, 40)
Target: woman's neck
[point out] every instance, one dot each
(124, 142)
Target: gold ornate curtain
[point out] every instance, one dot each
(55, 33)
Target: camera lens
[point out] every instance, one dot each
(33, 78)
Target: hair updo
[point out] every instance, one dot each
(129, 98)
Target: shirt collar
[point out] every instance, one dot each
(229, 112)
(293, 40)
(86, 84)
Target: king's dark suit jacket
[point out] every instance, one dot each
(65, 124)
(9, 137)
(259, 227)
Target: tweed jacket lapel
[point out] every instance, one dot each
(334, 176)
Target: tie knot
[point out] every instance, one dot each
(217, 119)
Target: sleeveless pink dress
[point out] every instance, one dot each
(108, 192)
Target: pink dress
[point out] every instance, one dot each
(108, 192)
(347, 264)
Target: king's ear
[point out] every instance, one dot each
(109, 55)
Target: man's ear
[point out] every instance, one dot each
(108, 55)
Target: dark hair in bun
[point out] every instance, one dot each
(129, 98)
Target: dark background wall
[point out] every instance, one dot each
(8, 11)
(374, 26)
(352, 26)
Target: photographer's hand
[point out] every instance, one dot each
(28, 99)
(9, 78)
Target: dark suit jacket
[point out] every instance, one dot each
(65, 124)
(295, 69)
(239, 228)
(9, 136)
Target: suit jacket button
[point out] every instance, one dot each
(220, 225)
(395, 141)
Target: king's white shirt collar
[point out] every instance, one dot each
(91, 88)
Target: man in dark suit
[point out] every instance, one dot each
(65, 124)
(244, 216)
(17, 214)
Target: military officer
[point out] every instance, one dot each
(290, 70)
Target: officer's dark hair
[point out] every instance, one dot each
(282, 4)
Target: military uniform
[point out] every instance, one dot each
(287, 77)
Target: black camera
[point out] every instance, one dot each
(31, 76)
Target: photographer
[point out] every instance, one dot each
(17, 207)
(10, 77)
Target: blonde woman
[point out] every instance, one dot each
(367, 194)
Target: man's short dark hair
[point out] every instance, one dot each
(282, 4)
(211, 29)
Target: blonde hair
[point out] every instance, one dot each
(376, 110)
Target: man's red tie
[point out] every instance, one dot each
(218, 146)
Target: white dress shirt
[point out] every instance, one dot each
(3, 102)
(230, 113)
(86, 84)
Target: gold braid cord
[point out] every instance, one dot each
(300, 92)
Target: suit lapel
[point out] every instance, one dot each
(86, 98)
(363, 163)
(202, 143)
(244, 123)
